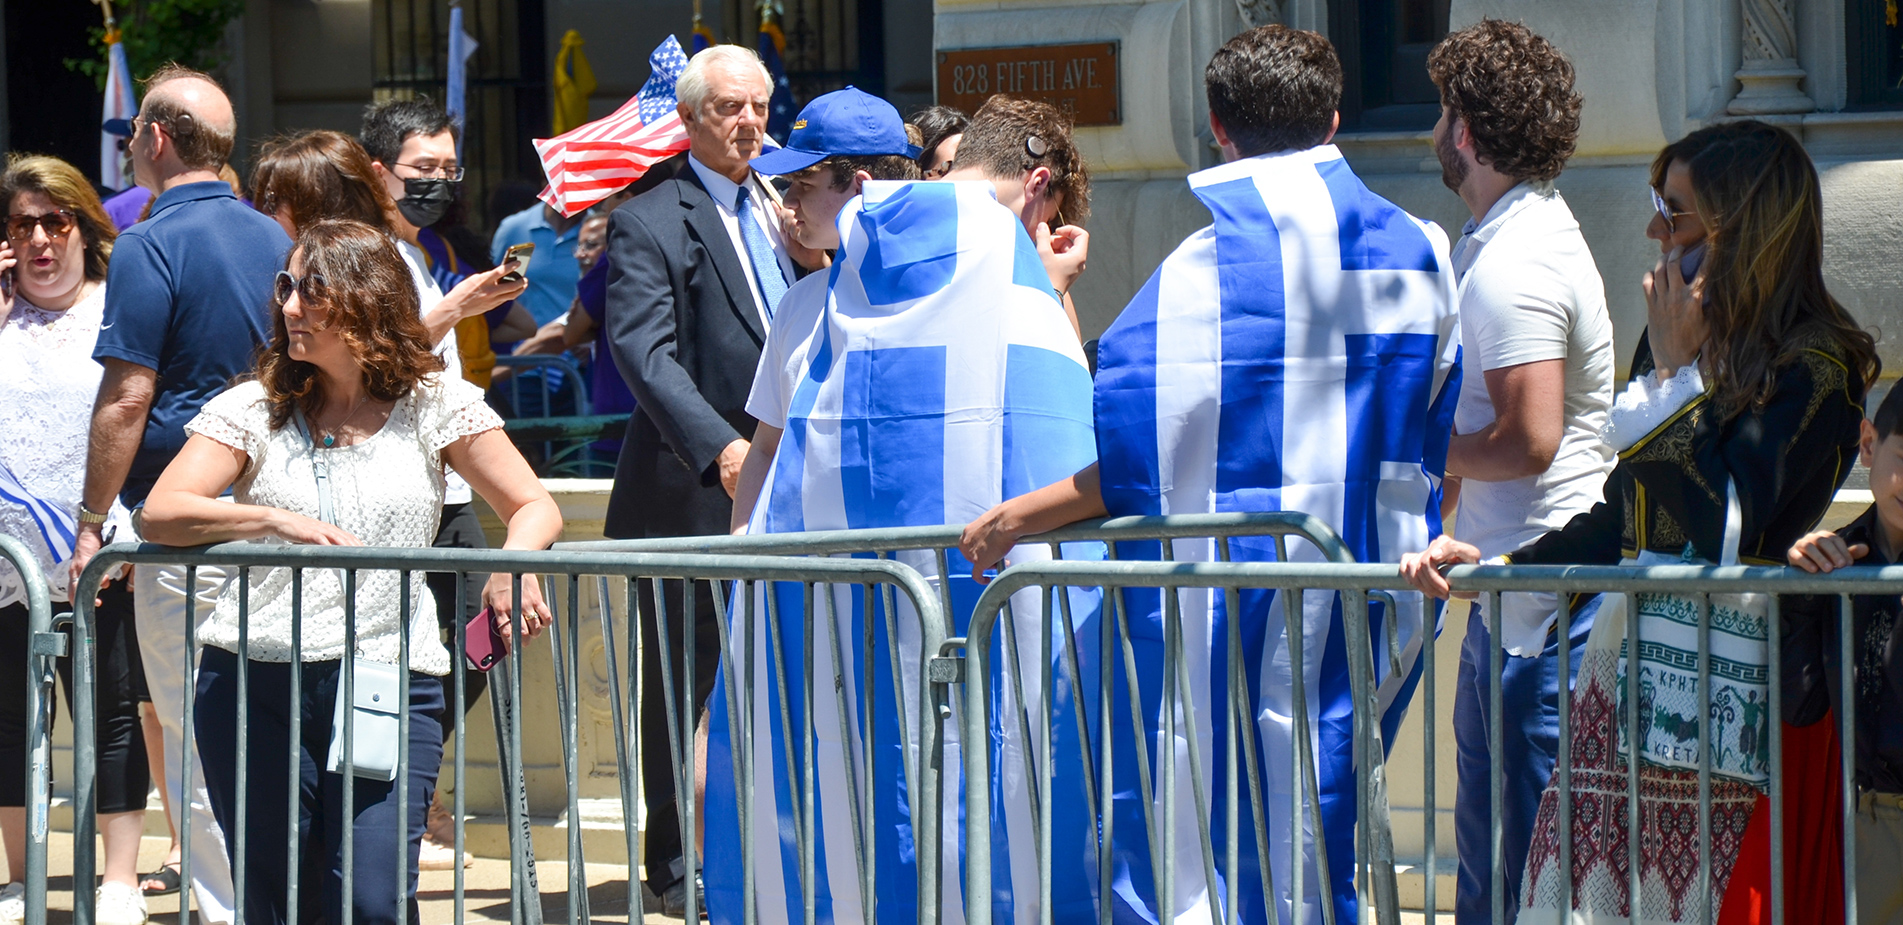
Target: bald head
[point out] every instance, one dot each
(194, 113)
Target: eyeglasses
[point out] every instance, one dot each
(58, 224)
(1666, 213)
(312, 288)
(435, 172)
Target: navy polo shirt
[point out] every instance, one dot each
(188, 294)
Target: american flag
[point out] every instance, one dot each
(588, 164)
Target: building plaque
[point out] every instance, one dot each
(1080, 79)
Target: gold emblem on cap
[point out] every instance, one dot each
(799, 125)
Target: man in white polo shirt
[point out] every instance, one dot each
(1537, 350)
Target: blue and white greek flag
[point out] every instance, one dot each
(1300, 354)
(942, 378)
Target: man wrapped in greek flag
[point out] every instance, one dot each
(1299, 354)
(929, 375)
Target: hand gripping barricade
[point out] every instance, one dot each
(1240, 814)
(1022, 801)
(1640, 872)
(562, 571)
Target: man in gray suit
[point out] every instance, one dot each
(696, 267)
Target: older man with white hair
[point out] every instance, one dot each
(697, 266)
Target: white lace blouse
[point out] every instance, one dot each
(386, 491)
(52, 380)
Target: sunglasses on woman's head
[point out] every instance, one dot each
(58, 224)
(311, 288)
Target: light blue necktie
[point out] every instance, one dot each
(766, 267)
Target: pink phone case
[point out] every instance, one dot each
(482, 645)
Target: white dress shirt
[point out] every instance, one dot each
(725, 192)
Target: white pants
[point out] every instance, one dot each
(158, 597)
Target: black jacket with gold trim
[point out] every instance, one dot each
(1787, 458)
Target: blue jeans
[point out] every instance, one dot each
(1529, 689)
(379, 895)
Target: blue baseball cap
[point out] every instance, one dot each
(849, 121)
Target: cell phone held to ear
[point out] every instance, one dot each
(515, 258)
(483, 644)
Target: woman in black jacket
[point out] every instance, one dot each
(1739, 424)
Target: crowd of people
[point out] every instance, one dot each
(872, 326)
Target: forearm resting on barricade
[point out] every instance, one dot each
(183, 508)
(496, 470)
(1067, 501)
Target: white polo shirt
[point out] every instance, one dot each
(1529, 291)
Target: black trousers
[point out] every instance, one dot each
(660, 762)
(123, 776)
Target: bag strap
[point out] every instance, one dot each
(320, 470)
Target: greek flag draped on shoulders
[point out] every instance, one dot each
(1299, 354)
(943, 378)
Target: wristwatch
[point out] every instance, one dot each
(87, 515)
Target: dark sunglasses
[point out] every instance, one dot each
(312, 288)
(58, 224)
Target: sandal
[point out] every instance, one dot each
(167, 878)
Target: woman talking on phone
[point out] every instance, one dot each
(1739, 426)
(344, 438)
(53, 274)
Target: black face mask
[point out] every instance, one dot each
(425, 201)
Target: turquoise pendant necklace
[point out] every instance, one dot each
(330, 437)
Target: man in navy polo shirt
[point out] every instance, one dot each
(188, 303)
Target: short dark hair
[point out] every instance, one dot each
(1514, 89)
(1889, 419)
(935, 124)
(1006, 130)
(877, 166)
(1274, 88)
(387, 125)
(202, 144)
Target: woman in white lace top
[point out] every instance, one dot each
(53, 262)
(350, 390)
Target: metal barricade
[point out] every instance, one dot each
(44, 645)
(562, 571)
(966, 661)
(553, 412)
(1210, 533)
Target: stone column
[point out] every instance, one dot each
(1770, 74)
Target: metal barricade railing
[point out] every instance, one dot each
(44, 645)
(558, 415)
(1217, 531)
(966, 662)
(562, 572)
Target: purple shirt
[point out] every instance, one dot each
(124, 206)
(611, 393)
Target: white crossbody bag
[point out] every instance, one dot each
(376, 727)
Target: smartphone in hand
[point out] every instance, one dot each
(483, 644)
(516, 257)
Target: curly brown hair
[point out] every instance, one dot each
(1514, 89)
(998, 141)
(1765, 301)
(371, 300)
(68, 188)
